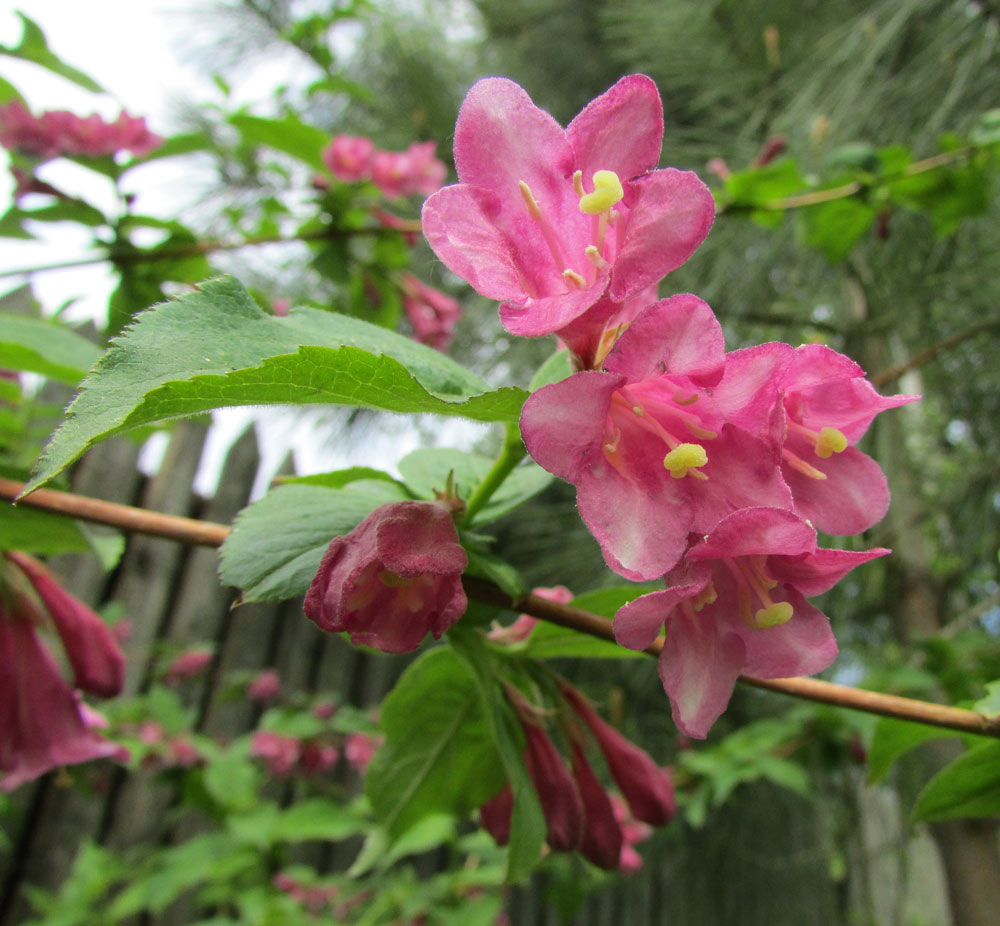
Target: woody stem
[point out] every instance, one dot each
(205, 533)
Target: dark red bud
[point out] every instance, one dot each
(602, 836)
(494, 815)
(557, 792)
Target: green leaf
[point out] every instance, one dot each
(316, 818)
(438, 756)
(550, 641)
(554, 370)
(277, 543)
(968, 787)
(45, 347)
(835, 227)
(892, 739)
(425, 472)
(33, 531)
(339, 478)
(485, 565)
(288, 134)
(527, 825)
(991, 703)
(33, 47)
(217, 348)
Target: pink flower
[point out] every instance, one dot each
(359, 749)
(349, 157)
(189, 664)
(547, 221)
(410, 172)
(432, 314)
(829, 405)
(318, 757)
(42, 723)
(647, 788)
(393, 579)
(280, 753)
(737, 604)
(632, 832)
(94, 654)
(651, 452)
(265, 686)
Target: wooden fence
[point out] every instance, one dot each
(763, 859)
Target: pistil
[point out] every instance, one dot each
(753, 583)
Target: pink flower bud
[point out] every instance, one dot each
(393, 579)
(349, 157)
(774, 147)
(318, 757)
(494, 815)
(97, 660)
(281, 307)
(359, 749)
(432, 314)
(324, 710)
(602, 836)
(557, 792)
(189, 664)
(266, 686)
(521, 629)
(647, 788)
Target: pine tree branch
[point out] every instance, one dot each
(206, 533)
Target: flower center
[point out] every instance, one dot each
(661, 419)
(754, 586)
(599, 204)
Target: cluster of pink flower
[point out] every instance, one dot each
(432, 314)
(166, 751)
(43, 721)
(579, 813)
(58, 132)
(286, 756)
(415, 171)
(709, 468)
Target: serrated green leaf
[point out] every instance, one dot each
(892, 739)
(425, 472)
(45, 347)
(967, 787)
(217, 348)
(277, 543)
(289, 134)
(438, 756)
(339, 478)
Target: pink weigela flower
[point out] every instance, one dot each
(393, 579)
(349, 157)
(431, 313)
(651, 453)
(546, 220)
(737, 604)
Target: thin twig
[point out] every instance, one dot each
(206, 533)
(918, 360)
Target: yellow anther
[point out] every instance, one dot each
(574, 278)
(706, 596)
(578, 183)
(529, 200)
(682, 460)
(594, 256)
(829, 442)
(682, 399)
(391, 580)
(777, 614)
(607, 191)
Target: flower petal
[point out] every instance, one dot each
(621, 130)
(670, 216)
(818, 573)
(638, 623)
(751, 531)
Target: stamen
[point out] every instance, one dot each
(551, 239)
(608, 191)
(682, 399)
(683, 460)
(798, 463)
(745, 614)
(594, 256)
(774, 616)
(578, 184)
(391, 580)
(707, 595)
(529, 200)
(638, 411)
(830, 441)
(574, 278)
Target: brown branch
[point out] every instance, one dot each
(205, 533)
(918, 360)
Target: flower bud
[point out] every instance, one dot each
(558, 794)
(602, 836)
(393, 579)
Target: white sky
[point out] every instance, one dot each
(134, 49)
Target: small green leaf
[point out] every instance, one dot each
(34, 531)
(45, 347)
(485, 565)
(289, 134)
(892, 739)
(216, 348)
(277, 543)
(425, 471)
(991, 703)
(339, 478)
(968, 787)
(33, 47)
(438, 756)
(835, 227)
(549, 641)
(554, 370)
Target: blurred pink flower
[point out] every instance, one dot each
(349, 157)
(189, 664)
(410, 172)
(279, 752)
(265, 686)
(431, 313)
(359, 748)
